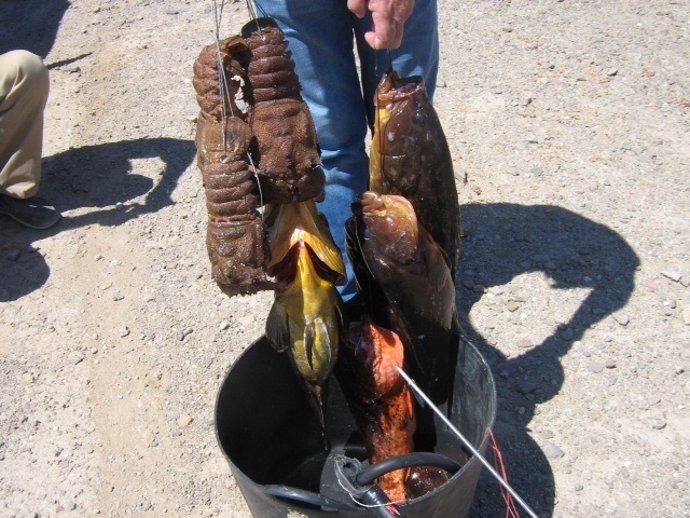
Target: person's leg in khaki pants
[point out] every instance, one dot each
(24, 88)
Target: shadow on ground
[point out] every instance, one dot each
(34, 24)
(506, 240)
(98, 178)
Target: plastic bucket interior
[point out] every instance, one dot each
(270, 435)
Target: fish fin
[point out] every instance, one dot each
(277, 327)
(310, 337)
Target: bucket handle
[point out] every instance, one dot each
(293, 494)
(365, 477)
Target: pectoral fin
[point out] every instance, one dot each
(278, 327)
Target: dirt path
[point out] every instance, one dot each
(570, 120)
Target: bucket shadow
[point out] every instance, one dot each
(98, 178)
(501, 242)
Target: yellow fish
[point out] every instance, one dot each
(307, 314)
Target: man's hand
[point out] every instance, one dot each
(389, 18)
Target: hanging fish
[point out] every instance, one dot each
(380, 400)
(306, 318)
(407, 286)
(410, 157)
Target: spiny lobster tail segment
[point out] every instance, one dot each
(209, 82)
(286, 147)
(271, 68)
(235, 235)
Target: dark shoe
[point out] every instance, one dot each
(32, 212)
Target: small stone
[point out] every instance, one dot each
(610, 364)
(658, 424)
(76, 359)
(611, 72)
(579, 487)
(552, 451)
(672, 275)
(512, 306)
(118, 296)
(181, 335)
(524, 343)
(622, 320)
(526, 386)
(124, 332)
(670, 304)
(567, 333)
(184, 420)
(223, 326)
(595, 367)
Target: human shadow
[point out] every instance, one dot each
(99, 179)
(30, 24)
(501, 242)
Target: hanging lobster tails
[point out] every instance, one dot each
(235, 235)
(287, 152)
(257, 149)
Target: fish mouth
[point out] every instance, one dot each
(300, 224)
(389, 224)
(393, 88)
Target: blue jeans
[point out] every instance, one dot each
(320, 36)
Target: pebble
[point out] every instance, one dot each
(672, 274)
(612, 72)
(658, 424)
(124, 332)
(184, 420)
(595, 367)
(622, 320)
(610, 364)
(512, 306)
(223, 326)
(552, 451)
(567, 334)
(526, 386)
(181, 335)
(524, 343)
(579, 487)
(118, 297)
(75, 359)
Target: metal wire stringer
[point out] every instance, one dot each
(466, 442)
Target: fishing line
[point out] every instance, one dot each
(255, 172)
(467, 443)
(222, 79)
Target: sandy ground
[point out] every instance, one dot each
(569, 126)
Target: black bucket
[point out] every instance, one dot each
(272, 439)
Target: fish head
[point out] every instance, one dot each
(388, 225)
(399, 131)
(291, 224)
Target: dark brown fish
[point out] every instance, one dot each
(410, 157)
(405, 283)
(380, 400)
